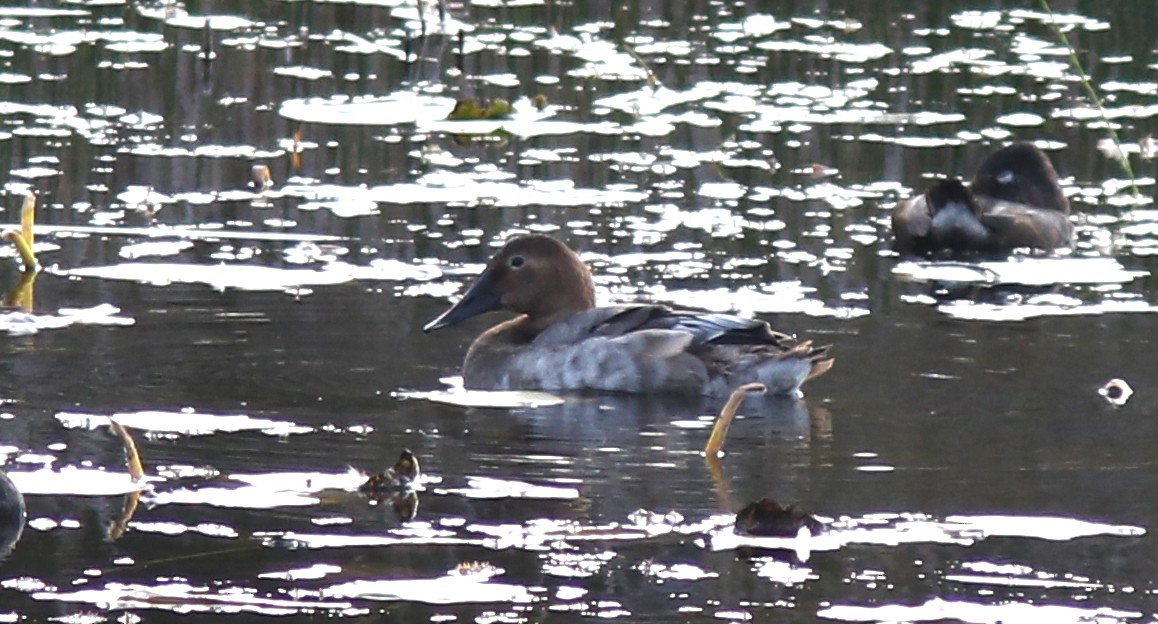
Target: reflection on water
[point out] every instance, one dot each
(262, 340)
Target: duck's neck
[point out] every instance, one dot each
(526, 327)
(535, 325)
(560, 305)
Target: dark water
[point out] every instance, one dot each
(959, 446)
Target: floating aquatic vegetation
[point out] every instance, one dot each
(473, 109)
(522, 119)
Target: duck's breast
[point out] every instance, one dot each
(956, 227)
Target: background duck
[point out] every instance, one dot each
(562, 341)
(12, 514)
(1015, 201)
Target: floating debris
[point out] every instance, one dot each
(467, 109)
(262, 181)
(402, 475)
(768, 518)
(396, 486)
(1116, 391)
(1148, 147)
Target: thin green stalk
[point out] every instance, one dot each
(1077, 65)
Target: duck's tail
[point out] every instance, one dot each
(818, 358)
(819, 367)
(784, 371)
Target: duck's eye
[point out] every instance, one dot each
(1005, 177)
(518, 261)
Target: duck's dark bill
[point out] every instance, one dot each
(479, 298)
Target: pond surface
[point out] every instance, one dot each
(263, 345)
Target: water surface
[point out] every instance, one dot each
(264, 344)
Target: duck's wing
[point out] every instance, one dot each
(728, 329)
(1018, 225)
(705, 327)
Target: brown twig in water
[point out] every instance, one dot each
(23, 248)
(724, 420)
(296, 152)
(716, 441)
(23, 239)
(136, 472)
(21, 294)
(27, 217)
(132, 459)
(652, 81)
(128, 508)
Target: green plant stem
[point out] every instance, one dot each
(1077, 65)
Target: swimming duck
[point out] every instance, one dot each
(12, 514)
(1014, 201)
(562, 341)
